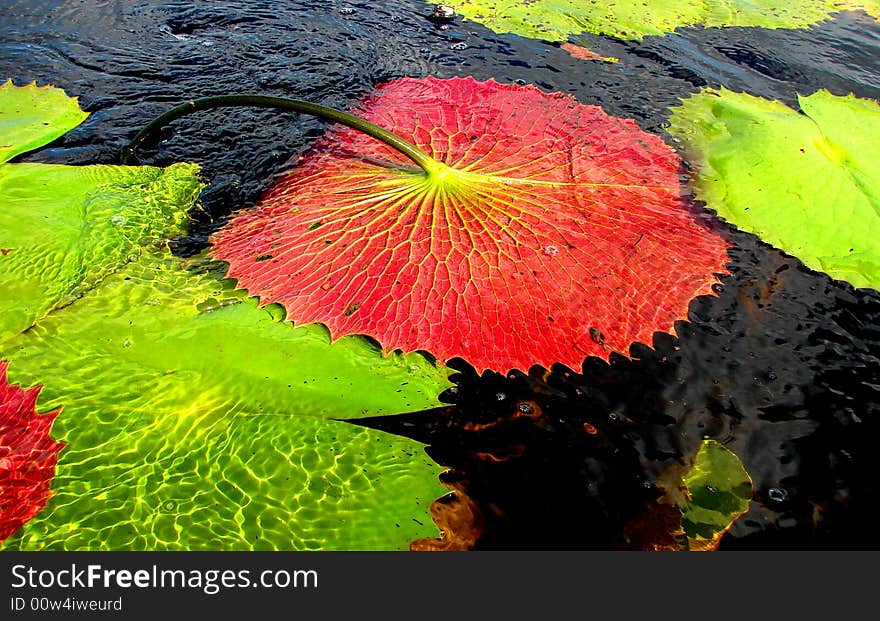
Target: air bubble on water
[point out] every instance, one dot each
(777, 494)
(346, 10)
(711, 489)
(126, 343)
(525, 408)
(118, 219)
(551, 251)
(461, 45)
(500, 396)
(519, 82)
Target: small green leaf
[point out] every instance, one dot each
(808, 183)
(32, 116)
(718, 490)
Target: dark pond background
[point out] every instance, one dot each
(783, 366)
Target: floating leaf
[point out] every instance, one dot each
(807, 183)
(585, 53)
(871, 7)
(65, 228)
(555, 20)
(701, 500)
(546, 230)
(196, 420)
(718, 491)
(27, 455)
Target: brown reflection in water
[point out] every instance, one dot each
(459, 520)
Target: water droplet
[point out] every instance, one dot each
(519, 82)
(551, 250)
(126, 343)
(169, 505)
(118, 219)
(500, 396)
(525, 408)
(711, 489)
(777, 494)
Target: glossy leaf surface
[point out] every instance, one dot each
(547, 230)
(65, 228)
(555, 20)
(195, 420)
(807, 183)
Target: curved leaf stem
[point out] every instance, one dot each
(422, 159)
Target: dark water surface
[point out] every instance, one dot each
(783, 366)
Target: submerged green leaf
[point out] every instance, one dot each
(195, 419)
(65, 228)
(808, 183)
(718, 491)
(555, 20)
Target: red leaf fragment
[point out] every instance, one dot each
(27, 455)
(554, 223)
(585, 53)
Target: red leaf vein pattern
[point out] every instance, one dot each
(27, 455)
(559, 233)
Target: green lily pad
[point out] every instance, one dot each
(195, 419)
(32, 116)
(65, 228)
(807, 183)
(718, 491)
(555, 20)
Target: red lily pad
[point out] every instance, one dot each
(547, 231)
(27, 455)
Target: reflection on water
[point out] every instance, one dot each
(783, 366)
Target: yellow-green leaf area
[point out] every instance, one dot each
(195, 419)
(63, 229)
(806, 182)
(718, 491)
(556, 20)
(32, 116)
